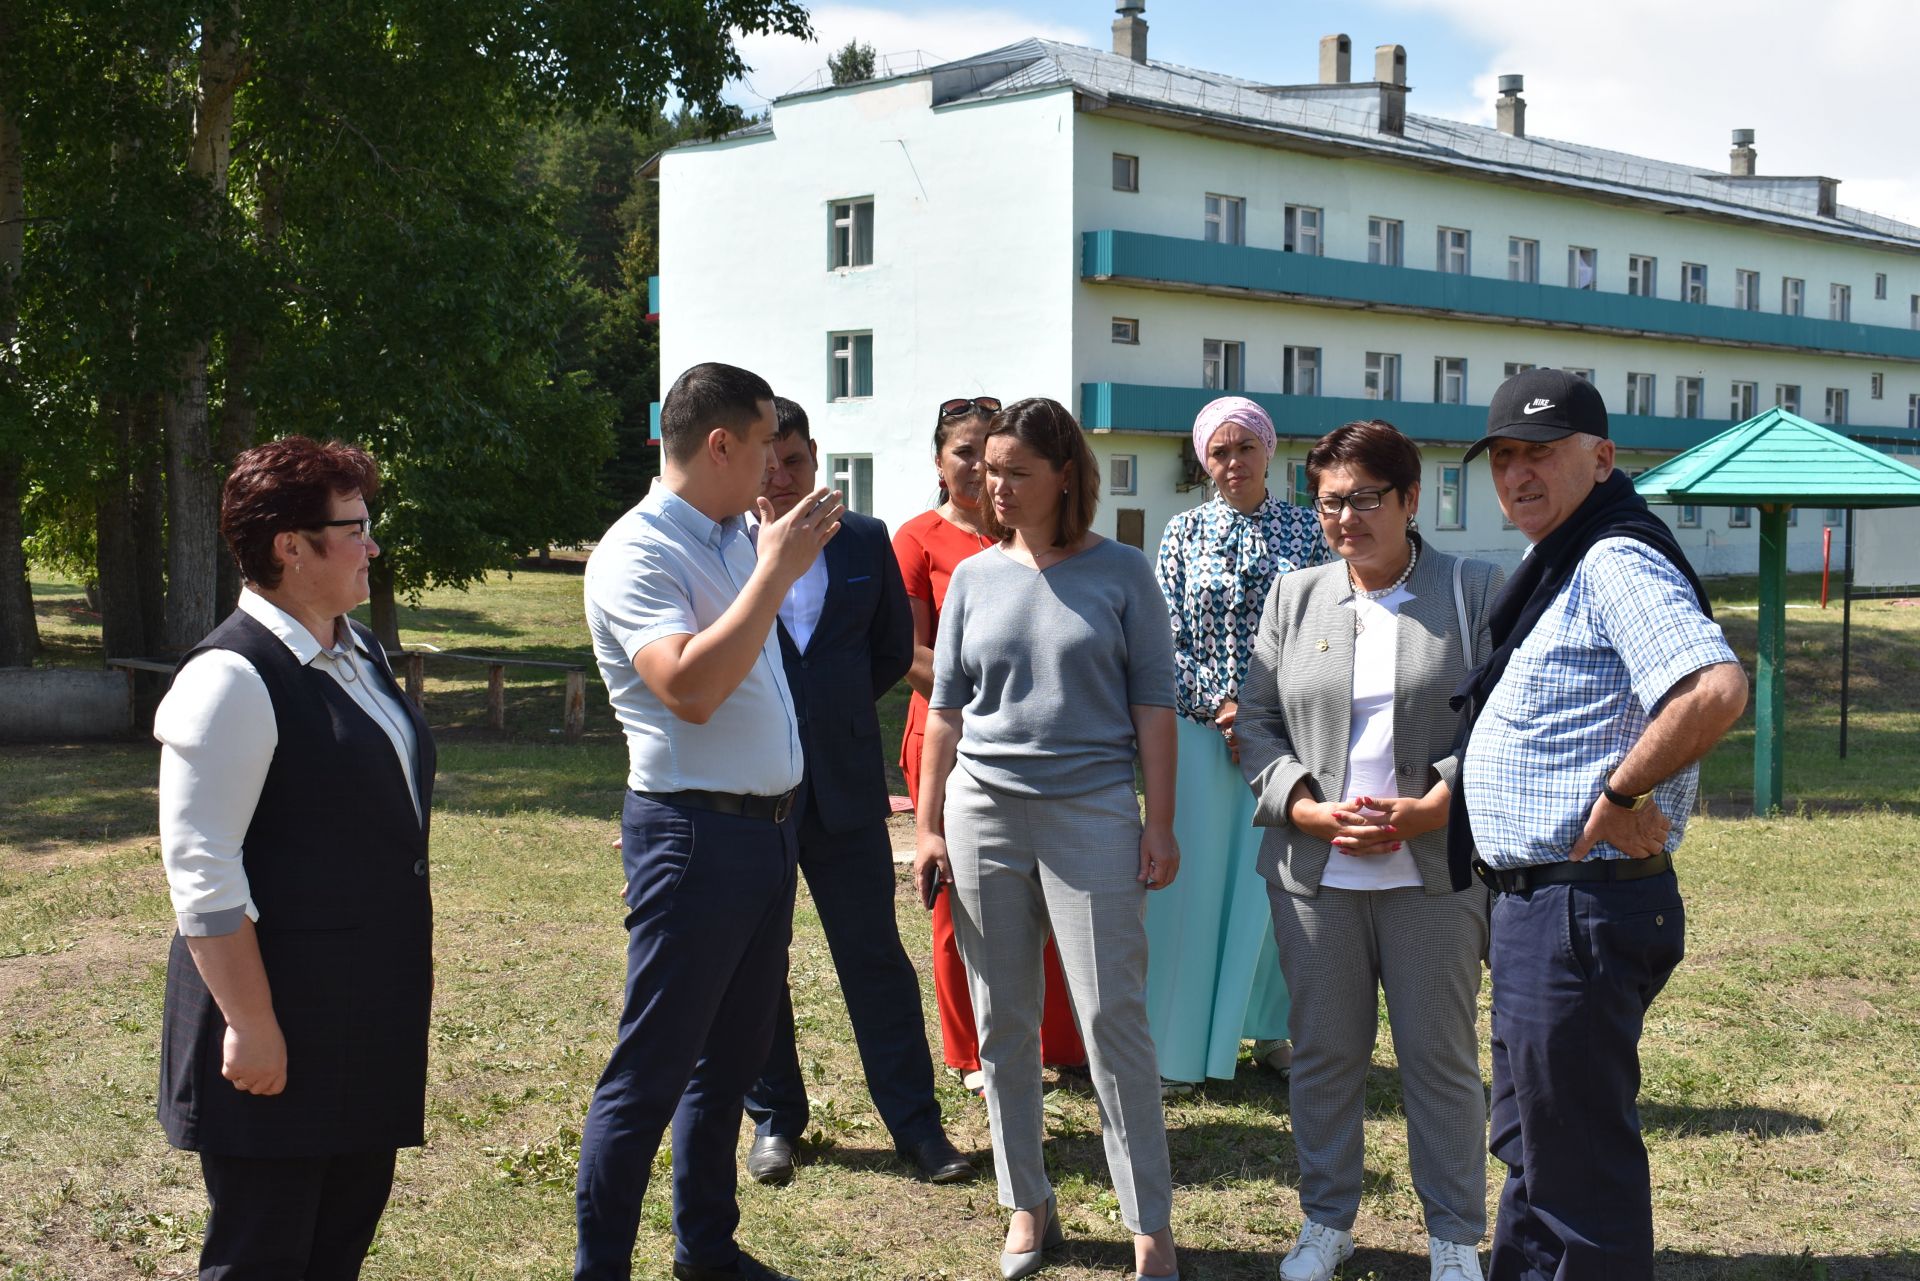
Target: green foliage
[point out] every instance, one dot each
(852, 64)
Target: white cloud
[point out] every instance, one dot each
(1822, 86)
(782, 64)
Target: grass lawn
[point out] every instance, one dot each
(1781, 1098)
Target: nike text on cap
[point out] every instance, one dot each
(1543, 404)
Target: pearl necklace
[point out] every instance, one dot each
(1380, 593)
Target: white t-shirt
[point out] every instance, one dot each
(1370, 769)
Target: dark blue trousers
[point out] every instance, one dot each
(711, 899)
(851, 879)
(299, 1219)
(1574, 969)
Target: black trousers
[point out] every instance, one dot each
(294, 1219)
(1574, 969)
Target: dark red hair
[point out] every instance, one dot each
(286, 485)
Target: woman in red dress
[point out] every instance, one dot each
(928, 547)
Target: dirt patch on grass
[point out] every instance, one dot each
(30, 986)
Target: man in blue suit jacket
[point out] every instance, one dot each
(846, 635)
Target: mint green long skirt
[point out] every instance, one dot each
(1213, 975)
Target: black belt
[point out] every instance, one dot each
(1521, 879)
(775, 808)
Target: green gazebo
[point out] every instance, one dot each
(1775, 462)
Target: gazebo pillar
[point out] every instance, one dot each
(1769, 709)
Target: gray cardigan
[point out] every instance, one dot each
(1296, 706)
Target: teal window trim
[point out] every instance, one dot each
(1171, 262)
(653, 296)
(1136, 407)
(653, 422)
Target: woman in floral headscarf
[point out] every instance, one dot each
(1213, 976)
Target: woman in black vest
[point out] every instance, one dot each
(295, 785)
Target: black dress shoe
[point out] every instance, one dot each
(746, 1268)
(771, 1159)
(938, 1160)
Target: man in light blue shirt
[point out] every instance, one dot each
(682, 610)
(1608, 682)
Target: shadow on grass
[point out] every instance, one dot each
(1688, 1265)
(1753, 1123)
(52, 794)
(442, 619)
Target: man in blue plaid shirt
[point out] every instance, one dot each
(1608, 682)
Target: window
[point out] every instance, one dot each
(1834, 516)
(1746, 290)
(1693, 282)
(1455, 251)
(1452, 507)
(1516, 368)
(1222, 364)
(1523, 260)
(1126, 175)
(851, 244)
(1793, 296)
(1787, 396)
(851, 375)
(1879, 286)
(1688, 393)
(1837, 406)
(1793, 517)
(1450, 380)
(1689, 517)
(1584, 374)
(853, 477)
(1226, 220)
(1303, 230)
(1913, 312)
(1298, 491)
(1877, 386)
(1583, 268)
(1739, 517)
(1641, 282)
(1840, 302)
(1913, 411)
(1746, 401)
(1301, 376)
(1383, 376)
(1639, 393)
(1126, 330)
(1383, 246)
(1123, 474)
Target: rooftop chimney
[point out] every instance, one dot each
(1511, 109)
(1743, 155)
(1336, 60)
(1390, 71)
(1130, 30)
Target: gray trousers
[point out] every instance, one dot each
(1022, 865)
(1337, 950)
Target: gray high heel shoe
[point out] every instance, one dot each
(1025, 1264)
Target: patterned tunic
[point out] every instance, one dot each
(1215, 568)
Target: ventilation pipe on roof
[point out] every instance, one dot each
(1130, 30)
(1390, 72)
(1336, 60)
(1743, 156)
(1510, 111)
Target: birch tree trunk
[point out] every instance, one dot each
(193, 485)
(19, 632)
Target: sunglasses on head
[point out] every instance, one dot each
(968, 405)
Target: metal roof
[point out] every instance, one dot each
(1780, 457)
(1347, 116)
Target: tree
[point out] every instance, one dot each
(852, 64)
(19, 632)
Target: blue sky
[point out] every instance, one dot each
(1662, 78)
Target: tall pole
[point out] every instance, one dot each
(1769, 719)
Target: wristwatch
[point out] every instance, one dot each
(1622, 799)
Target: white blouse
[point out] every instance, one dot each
(1370, 744)
(217, 737)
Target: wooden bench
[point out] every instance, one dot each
(574, 716)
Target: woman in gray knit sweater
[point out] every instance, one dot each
(1053, 672)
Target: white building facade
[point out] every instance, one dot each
(1132, 239)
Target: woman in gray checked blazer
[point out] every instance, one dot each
(1346, 738)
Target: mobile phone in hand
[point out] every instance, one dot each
(933, 890)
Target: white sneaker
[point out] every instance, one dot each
(1318, 1254)
(1453, 1261)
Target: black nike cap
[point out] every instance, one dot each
(1543, 404)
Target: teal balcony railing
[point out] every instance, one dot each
(653, 295)
(1172, 262)
(653, 419)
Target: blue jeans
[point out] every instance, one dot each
(1574, 969)
(711, 899)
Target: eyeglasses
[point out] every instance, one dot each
(362, 526)
(1361, 500)
(969, 405)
